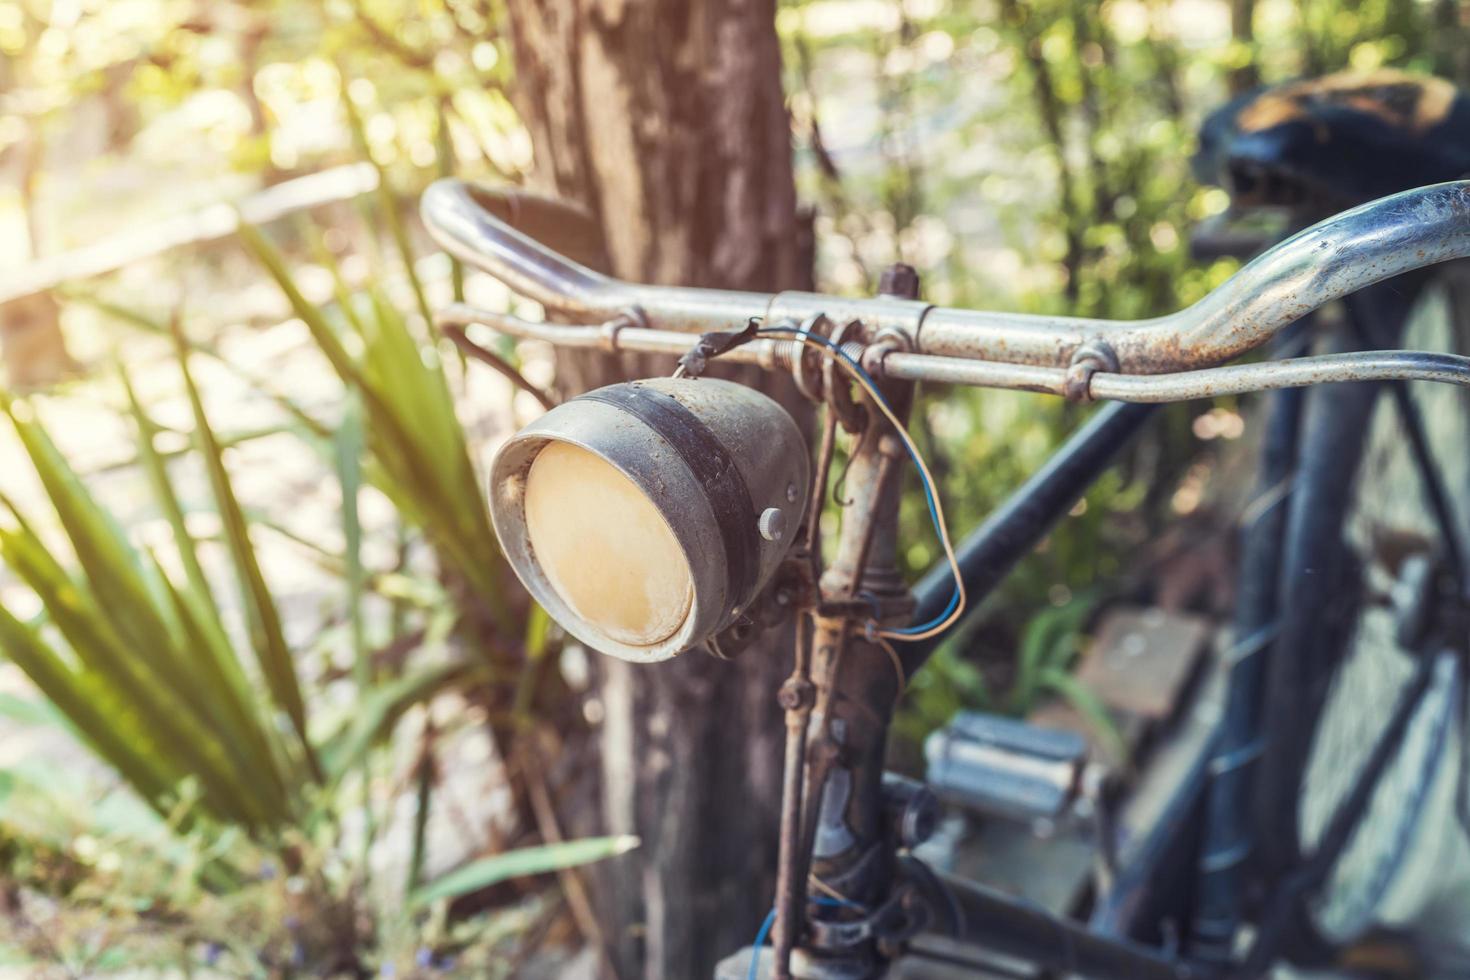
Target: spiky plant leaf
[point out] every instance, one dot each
(266, 633)
(518, 863)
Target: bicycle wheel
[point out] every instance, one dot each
(1382, 475)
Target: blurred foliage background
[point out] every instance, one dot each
(254, 447)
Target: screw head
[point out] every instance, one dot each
(771, 524)
(794, 693)
(899, 280)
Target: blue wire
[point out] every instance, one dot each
(760, 940)
(765, 930)
(929, 490)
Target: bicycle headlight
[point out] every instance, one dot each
(646, 516)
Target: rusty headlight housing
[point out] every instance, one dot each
(645, 517)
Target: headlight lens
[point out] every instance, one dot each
(605, 547)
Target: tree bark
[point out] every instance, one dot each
(665, 118)
(1243, 30)
(1451, 22)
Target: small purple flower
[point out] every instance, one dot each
(424, 957)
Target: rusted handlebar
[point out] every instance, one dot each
(1377, 241)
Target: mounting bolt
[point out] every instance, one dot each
(899, 280)
(795, 693)
(771, 524)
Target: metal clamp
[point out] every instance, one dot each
(852, 416)
(806, 361)
(901, 917)
(694, 362)
(608, 332)
(1089, 359)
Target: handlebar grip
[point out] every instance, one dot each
(1331, 259)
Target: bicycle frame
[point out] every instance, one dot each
(837, 817)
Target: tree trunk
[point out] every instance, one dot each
(1243, 31)
(666, 119)
(1451, 22)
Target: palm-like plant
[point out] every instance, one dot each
(143, 665)
(209, 725)
(148, 676)
(418, 454)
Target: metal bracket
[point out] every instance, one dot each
(856, 879)
(789, 588)
(1087, 360)
(711, 345)
(609, 331)
(901, 917)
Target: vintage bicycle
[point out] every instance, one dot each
(656, 516)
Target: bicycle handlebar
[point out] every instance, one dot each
(459, 219)
(1327, 261)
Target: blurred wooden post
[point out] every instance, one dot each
(32, 348)
(31, 345)
(666, 120)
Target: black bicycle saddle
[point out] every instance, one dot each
(1337, 140)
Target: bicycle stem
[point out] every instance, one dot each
(847, 838)
(843, 831)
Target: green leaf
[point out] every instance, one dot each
(537, 635)
(262, 761)
(519, 863)
(445, 159)
(319, 250)
(1047, 644)
(90, 706)
(349, 475)
(145, 693)
(112, 566)
(1090, 707)
(220, 677)
(163, 491)
(420, 458)
(375, 714)
(301, 423)
(266, 633)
